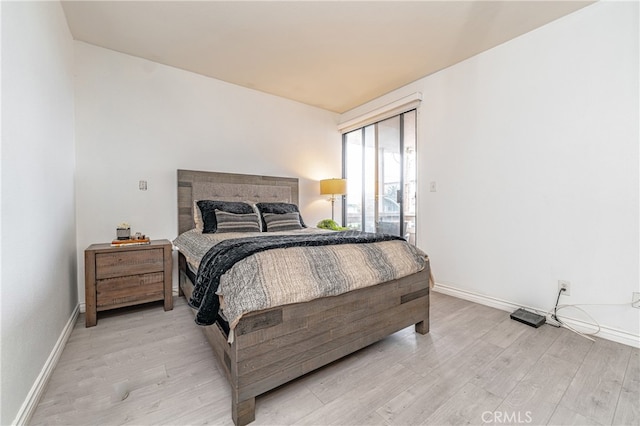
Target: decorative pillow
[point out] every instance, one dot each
(278, 208)
(197, 216)
(282, 222)
(233, 222)
(257, 212)
(208, 209)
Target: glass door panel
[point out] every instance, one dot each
(370, 180)
(380, 168)
(389, 194)
(410, 176)
(353, 166)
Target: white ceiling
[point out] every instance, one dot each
(334, 55)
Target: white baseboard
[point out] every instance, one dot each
(33, 397)
(608, 333)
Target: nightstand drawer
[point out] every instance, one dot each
(128, 290)
(109, 265)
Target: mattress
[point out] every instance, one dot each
(291, 274)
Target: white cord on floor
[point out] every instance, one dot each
(581, 333)
(552, 315)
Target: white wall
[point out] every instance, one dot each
(139, 120)
(39, 286)
(534, 148)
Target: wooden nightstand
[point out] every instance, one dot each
(115, 277)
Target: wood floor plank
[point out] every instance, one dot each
(447, 306)
(471, 319)
(628, 407)
(505, 333)
(466, 406)
(540, 391)
(570, 347)
(595, 390)
(423, 398)
(456, 334)
(163, 364)
(286, 404)
(566, 417)
(346, 374)
(504, 373)
(371, 393)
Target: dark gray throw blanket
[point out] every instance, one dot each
(221, 257)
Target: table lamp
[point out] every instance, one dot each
(333, 187)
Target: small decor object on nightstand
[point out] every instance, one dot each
(131, 242)
(123, 231)
(137, 240)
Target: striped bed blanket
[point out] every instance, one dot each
(247, 272)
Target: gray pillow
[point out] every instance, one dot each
(282, 222)
(234, 222)
(278, 208)
(208, 209)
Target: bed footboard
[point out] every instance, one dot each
(275, 346)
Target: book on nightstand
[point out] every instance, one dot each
(126, 243)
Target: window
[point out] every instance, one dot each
(379, 162)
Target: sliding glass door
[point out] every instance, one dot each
(379, 165)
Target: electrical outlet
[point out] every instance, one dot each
(142, 185)
(566, 285)
(635, 299)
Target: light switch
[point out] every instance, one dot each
(432, 186)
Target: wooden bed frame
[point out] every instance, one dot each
(277, 345)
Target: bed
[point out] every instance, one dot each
(273, 346)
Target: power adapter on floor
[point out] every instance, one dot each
(529, 318)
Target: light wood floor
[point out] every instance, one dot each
(144, 366)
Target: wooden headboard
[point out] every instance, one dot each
(197, 185)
